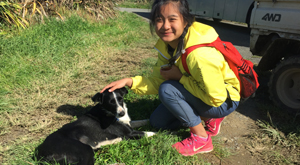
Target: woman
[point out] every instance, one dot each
(186, 99)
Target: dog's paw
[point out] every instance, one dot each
(107, 142)
(149, 134)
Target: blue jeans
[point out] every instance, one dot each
(180, 108)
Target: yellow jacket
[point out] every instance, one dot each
(210, 73)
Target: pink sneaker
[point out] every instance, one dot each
(193, 145)
(213, 126)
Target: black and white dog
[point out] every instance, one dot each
(106, 123)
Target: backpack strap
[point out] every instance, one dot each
(190, 49)
(183, 60)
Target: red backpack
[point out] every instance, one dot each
(243, 69)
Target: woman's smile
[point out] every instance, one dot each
(166, 33)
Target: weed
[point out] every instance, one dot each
(219, 150)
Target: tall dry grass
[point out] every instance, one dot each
(23, 13)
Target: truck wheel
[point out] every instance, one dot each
(284, 85)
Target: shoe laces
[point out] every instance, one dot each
(189, 141)
(208, 124)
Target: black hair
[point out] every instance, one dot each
(183, 8)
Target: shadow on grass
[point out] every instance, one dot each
(138, 109)
(142, 108)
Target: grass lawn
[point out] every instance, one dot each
(141, 4)
(50, 71)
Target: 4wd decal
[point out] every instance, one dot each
(272, 17)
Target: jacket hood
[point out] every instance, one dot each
(199, 33)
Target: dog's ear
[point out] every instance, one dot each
(98, 98)
(123, 91)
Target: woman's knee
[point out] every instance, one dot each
(155, 123)
(164, 87)
(167, 91)
(161, 118)
(165, 124)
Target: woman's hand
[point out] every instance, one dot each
(118, 84)
(171, 74)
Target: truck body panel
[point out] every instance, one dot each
(233, 10)
(271, 20)
(281, 16)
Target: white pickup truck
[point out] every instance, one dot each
(275, 35)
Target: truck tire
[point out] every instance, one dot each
(284, 85)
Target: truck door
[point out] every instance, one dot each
(219, 9)
(202, 7)
(230, 9)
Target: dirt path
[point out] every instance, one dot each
(238, 129)
(234, 133)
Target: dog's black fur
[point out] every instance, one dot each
(74, 142)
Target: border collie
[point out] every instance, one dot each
(106, 123)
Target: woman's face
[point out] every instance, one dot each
(169, 25)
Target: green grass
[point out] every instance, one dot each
(45, 52)
(60, 65)
(49, 49)
(141, 4)
(154, 150)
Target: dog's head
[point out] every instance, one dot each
(112, 102)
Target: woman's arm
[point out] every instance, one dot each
(118, 84)
(149, 85)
